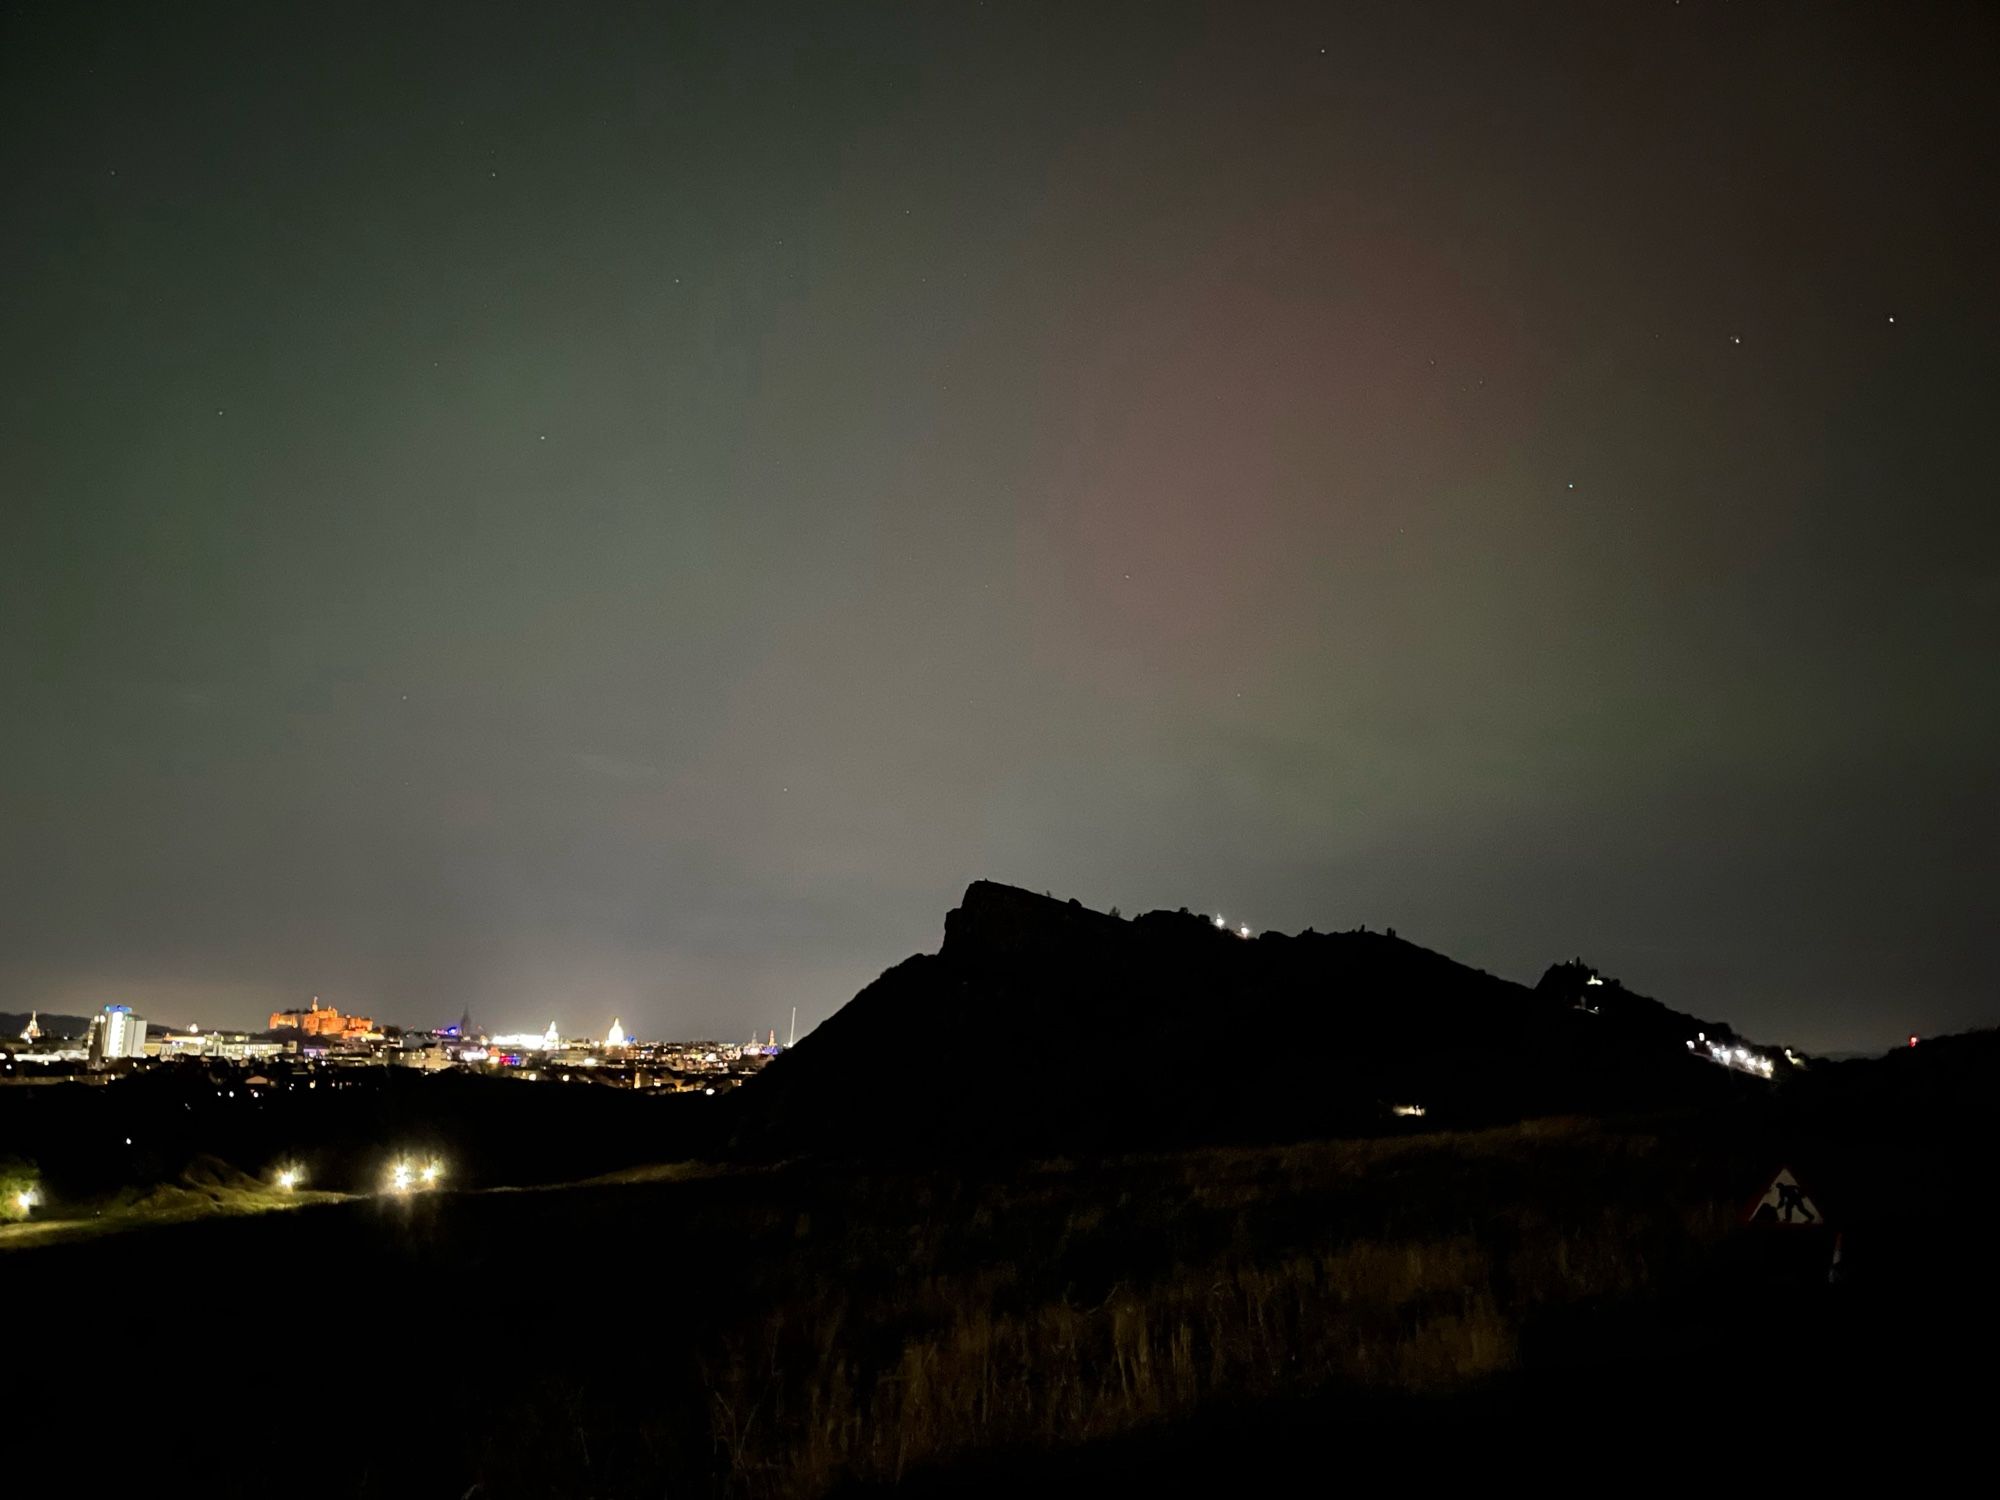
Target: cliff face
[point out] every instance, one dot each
(994, 922)
(1043, 1026)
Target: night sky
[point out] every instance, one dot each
(626, 509)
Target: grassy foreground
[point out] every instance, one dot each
(784, 1332)
(208, 1189)
(938, 1322)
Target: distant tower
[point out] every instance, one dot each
(115, 1032)
(33, 1030)
(774, 1038)
(124, 1032)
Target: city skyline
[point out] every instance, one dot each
(291, 1019)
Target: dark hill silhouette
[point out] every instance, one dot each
(1633, 1014)
(1043, 1026)
(12, 1023)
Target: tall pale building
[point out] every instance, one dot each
(115, 1032)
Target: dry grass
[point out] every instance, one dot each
(1238, 1276)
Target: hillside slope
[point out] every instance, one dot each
(1043, 1026)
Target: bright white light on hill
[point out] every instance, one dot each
(1742, 1059)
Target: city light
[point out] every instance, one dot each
(525, 1041)
(407, 1176)
(1742, 1059)
(621, 1060)
(1407, 1111)
(26, 1199)
(288, 1178)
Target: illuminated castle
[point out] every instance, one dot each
(320, 1021)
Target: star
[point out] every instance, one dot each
(1734, 339)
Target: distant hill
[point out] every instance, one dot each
(13, 1023)
(1043, 1026)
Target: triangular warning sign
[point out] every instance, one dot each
(1784, 1204)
